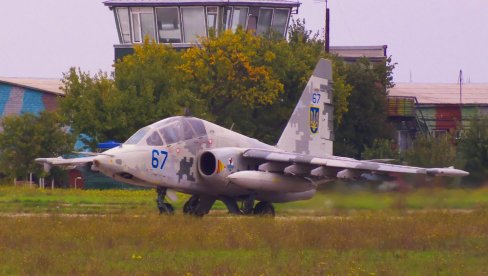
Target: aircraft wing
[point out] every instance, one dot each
(61, 162)
(342, 167)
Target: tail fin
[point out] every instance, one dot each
(310, 128)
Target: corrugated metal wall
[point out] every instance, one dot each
(450, 117)
(18, 100)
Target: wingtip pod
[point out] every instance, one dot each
(446, 172)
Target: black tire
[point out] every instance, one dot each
(264, 208)
(190, 205)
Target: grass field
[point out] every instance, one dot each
(428, 232)
(32, 200)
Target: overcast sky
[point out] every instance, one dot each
(431, 40)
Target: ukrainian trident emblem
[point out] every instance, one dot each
(314, 119)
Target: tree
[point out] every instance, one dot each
(429, 151)
(473, 150)
(232, 73)
(27, 137)
(366, 116)
(147, 86)
(153, 84)
(93, 106)
(382, 149)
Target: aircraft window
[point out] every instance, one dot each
(166, 122)
(154, 140)
(197, 126)
(172, 133)
(136, 137)
(187, 131)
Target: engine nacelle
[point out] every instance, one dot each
(215, 165)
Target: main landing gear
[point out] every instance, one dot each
(262, 208)
(198, 205)
(164, 207)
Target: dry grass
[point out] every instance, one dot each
(117, 232)
(390, 243)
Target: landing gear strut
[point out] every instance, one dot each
(164, 208)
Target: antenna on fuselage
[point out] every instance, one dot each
(187, 112)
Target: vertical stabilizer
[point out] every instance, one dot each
(310, 128)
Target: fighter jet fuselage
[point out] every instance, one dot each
(199, 160)
(196, 157)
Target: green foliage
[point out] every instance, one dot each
(381, 149)
(294, 61)
(232, 67)
(306, 48)
(234, 79)
(366, 116)
(147, 87)
(473, 150)
(233, 75)
(27, 137)
(93, 106)
(429, 151)
(154, 85)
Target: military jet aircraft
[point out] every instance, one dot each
(209, 162)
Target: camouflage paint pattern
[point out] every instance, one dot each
(300, 135)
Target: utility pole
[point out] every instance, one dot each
(460, 88)
(327, 23)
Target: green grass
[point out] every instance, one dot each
(425, 232)
(32, 200)
(385, 243)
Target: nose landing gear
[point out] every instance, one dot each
(164, 207)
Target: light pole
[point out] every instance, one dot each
(76, 179)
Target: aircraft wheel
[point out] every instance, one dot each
(247, 207)
(264, 208)
(166, 209)
(191, 205)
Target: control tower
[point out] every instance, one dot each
(181, 22)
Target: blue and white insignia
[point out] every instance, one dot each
(314, 119)
(230, 164)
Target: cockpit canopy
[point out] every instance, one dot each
(168, 131)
